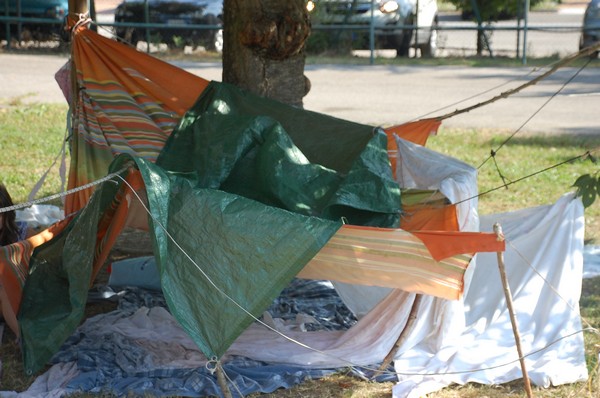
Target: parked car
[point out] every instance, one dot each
(174, 15)
(54, 11)
(398, 24)
(590, 31)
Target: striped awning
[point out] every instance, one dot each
(431, 263)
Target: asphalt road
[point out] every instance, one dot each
(387, 95)
(392, 95)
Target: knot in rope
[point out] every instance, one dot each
(498, 232)
(81, 19)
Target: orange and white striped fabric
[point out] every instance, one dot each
(14, 263)
(399, 259)
(127, 102)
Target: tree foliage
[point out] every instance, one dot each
(492, 10)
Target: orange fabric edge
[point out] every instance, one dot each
(429, 218)
(444, 244)
(417, 132)
(112, 224)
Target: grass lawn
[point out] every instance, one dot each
(31, 138)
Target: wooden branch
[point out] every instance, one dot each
(563, 62)
(412, 317)
(222, 382)
(511, 312)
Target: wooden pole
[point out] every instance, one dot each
(222, 382)
(77, 7)
(511, 312)
(412, 317)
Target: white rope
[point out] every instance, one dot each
(62, 194)
(62, 155)
(554, 290)
(495, 366)
(235, 386)
(82, 19)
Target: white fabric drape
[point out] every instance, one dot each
(548, 239)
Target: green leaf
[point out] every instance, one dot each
(588, 197)
(584, 180)
(587, 187)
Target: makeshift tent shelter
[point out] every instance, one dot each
(319, 170)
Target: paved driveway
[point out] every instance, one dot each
(390, 95)
(387, 95)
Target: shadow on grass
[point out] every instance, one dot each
(583, 140)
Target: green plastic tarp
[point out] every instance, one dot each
(285, 156)
(237, 208)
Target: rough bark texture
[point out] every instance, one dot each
(263, 47)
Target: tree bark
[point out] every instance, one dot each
(263, 47)
(480, 41)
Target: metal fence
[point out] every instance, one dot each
(455, 38)
(24, 28)
(510, 40)
(502, 39)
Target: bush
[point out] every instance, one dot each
(492, 10)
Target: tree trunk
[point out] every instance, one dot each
(77, 7)
(263, 47)
(480, 41)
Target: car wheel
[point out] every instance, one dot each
(402, 43)
(429, 49)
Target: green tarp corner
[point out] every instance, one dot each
(56, 290)
(224, 256)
